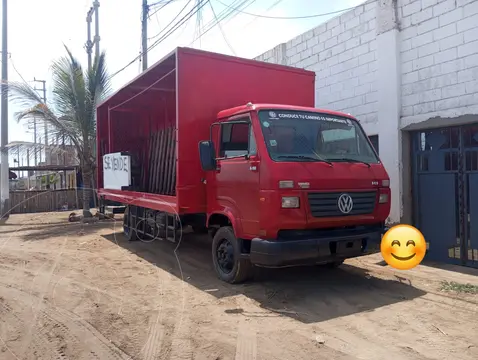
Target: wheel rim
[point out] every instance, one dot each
(225, 256)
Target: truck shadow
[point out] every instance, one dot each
(308, 294)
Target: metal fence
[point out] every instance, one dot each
(35, 201)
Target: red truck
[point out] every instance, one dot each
(235, 148)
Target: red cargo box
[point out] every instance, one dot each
(160, 116)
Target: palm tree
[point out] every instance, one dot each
(71, 113)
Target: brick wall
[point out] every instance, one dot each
(342, 52)
(439, 60)
(439, 54)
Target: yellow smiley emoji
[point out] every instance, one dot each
(403, 247)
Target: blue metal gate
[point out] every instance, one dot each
(445, 164)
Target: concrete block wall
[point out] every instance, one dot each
(342, 52)
(439, 57)
(427, 54)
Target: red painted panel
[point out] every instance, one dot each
(209, 83)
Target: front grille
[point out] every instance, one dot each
(325, 204)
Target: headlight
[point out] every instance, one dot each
(290, 202)
(385, 183)
(383, 198)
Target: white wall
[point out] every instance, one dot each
(343, 54)
(434, 48)
(439, 52)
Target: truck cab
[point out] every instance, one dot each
(299, 186)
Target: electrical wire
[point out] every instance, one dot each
(285, 17)
(161, 7)
(157, 19)
(236, 9)
(197, 29)
(243, 6)
(160, 3)
(178, 24)
(220, 28)
(14, 68)
(179, 13)
(226, 13)
(224, 16)
(266, 11)
(199, 5)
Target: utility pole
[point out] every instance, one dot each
(144, 34)
(96, 41)
(35, 139)
(43, 89)
(5, 171)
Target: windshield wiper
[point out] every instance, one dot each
(305, 158)
(352, 160)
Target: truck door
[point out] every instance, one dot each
(237, 176)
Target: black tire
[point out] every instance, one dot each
(231, 270)
(128, 230)
(334, 264)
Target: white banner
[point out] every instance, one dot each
(116, 171)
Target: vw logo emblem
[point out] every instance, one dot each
(345, 203)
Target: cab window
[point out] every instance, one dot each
(237, 140)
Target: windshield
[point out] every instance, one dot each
(310, 136)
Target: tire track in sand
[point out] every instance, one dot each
(152, 348)
(246, 343)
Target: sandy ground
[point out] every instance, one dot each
(79, 291)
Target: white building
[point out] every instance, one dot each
(408, 70)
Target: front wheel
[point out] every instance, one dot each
(226, 255)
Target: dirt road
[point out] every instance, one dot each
(74, 291)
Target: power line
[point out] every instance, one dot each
(222, 16)
(226, 13)
(267, 10)
(14, 68)
(285, 17)
(159, 3)
(178, 24)
(244, 5)
(236, 9)
(220, 28)
(197, 30)
(179, 13)
(199, 5)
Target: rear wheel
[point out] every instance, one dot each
(128, 229)
(226, 255)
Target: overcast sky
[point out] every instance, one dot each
(38, 29)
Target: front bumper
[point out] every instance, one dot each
(327, 248)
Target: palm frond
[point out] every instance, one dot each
(71, 113)
(98, 82)
(69, 91)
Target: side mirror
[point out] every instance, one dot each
(207, 155)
